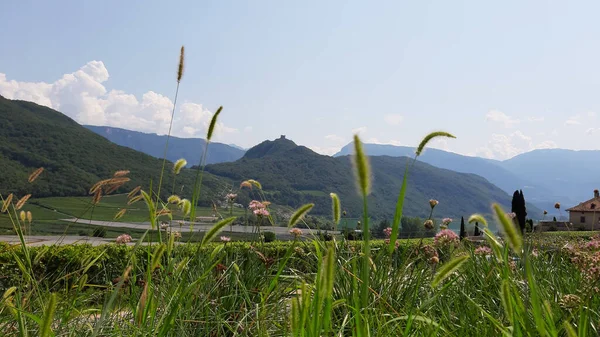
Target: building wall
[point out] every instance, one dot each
(585, 218)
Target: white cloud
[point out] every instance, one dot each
(548, 144)
(336, 139)
(393, 119)
(591, 114)
(82, 96)
(573, 120)
(535, 119)
(359, 130)
(328, 151)
(377, 141)
(503, 146)
(592, 131)
(500, 117)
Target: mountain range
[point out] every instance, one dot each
(75, 157)
(545, 176)
(191, 149)
(293, 175)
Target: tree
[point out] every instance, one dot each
(518, 207)
(476, 233)
(462, 228)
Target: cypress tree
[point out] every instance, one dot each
(476, 233)
(462, 228)
(518, 207)
(522, 215)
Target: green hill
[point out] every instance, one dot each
(293, 175)
(74, 158)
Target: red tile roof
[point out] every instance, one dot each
(587, 206)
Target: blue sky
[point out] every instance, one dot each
(503, 77)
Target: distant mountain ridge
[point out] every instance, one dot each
(545, 176)
(152, 144)
(293, 175)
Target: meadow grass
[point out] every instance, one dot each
(537, 285)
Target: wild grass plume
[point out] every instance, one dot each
(22, 201)
(35, 174)
(336, 208)
(430, 137)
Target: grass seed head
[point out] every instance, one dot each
(181, 64)
(22, 201)
(213, 123)
(134, 191)
(361, 164)
(121, 173)
(186, 206)
(120, 214)
(429, 137)
(336, 208)
(7, 203)
(179, 164)
(23, 216)
(33, 176)
(97, 196)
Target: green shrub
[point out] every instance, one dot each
(269, 236)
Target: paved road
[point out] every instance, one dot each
(198, 227)
(40, 240)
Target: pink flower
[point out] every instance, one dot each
(511, 215)
(255, 204)
(445, 237)
(123, 239)
(387, 232)
(483, 250)
(225, 239)
(261, 212)
(296, 232)
(433, 203)
(446, 221)
(231, 196)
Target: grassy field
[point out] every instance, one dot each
(48, 212)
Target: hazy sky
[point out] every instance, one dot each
(505, 77)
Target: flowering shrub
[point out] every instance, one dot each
(483, 250)
(123, 239)
(296, 232)
(261, 212)
(445, 238)
(387, 232)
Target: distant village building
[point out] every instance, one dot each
(586, 213)
(585, 216)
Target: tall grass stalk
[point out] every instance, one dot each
(402, 195)
(179, 75)
(201, 165)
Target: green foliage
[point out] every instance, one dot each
(269, 236)
(291, 174)
(74, 158)
(518, 206)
